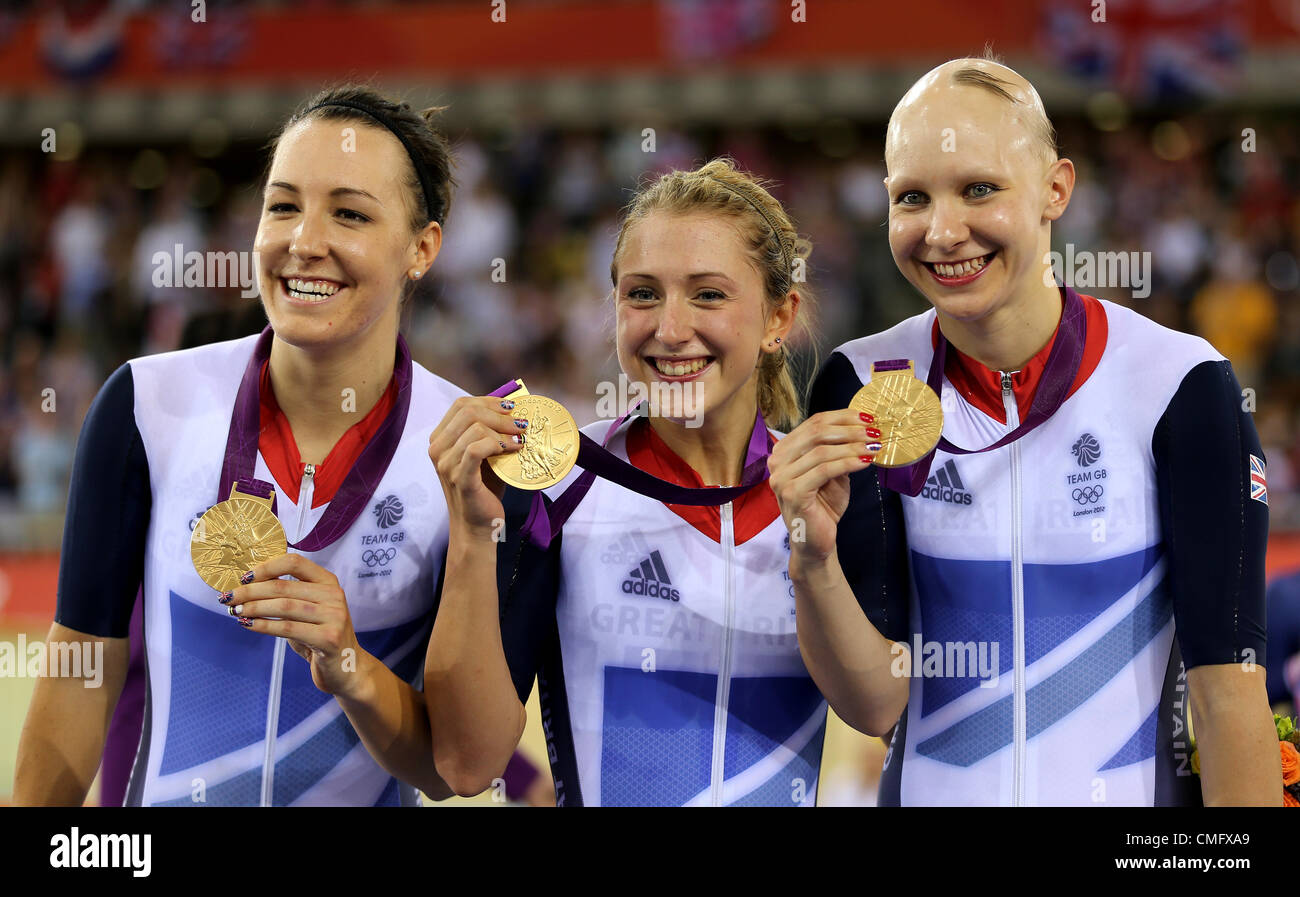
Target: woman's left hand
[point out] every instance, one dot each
(310, 611)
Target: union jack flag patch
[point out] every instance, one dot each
(1258, 485)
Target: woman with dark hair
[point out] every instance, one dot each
(326, 419)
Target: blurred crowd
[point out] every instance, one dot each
(522, 285)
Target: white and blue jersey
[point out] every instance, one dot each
(1061, 585)
(233, 717)
(669, 665)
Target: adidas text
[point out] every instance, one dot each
(651, 589)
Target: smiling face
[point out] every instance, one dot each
(692, 310)
(334, 242)
(971, 199)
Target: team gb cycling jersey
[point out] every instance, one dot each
(671, 673)
(1061, 585)
(233, 717)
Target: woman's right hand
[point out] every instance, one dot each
(810, 470)
(474, 429)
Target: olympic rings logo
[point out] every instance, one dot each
(372, 558)
(1087, 495)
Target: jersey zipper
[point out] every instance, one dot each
(305, 491)
(304, 496)
(1017, 602)
(724, 671)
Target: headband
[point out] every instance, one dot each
(421, 173)
(757, 208)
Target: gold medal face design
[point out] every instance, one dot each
(908, 415)
(550, 444)
(234, 536)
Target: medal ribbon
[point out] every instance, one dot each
(598, 461)
(1058, 376)
(362, 479)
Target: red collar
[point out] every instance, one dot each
(280, 449)
(751, 513)
(983, 387)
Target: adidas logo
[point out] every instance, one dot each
(651, 579)
(946, 485)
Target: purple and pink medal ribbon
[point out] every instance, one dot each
(361, 481)
(597, 461)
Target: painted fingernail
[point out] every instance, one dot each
(245, 622)
(519, 440)
(521, 424)
(507, 404)
(867, 418)
(231, 611)
(867, 459)
(873, 447)
(226, 597)
(247, 578)
(872, 431)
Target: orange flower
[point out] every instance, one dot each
(1288, 800)
(1290, 763)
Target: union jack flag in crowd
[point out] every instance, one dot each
(1150, 50)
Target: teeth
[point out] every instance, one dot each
(961, 270)
(679, 370)
(311, 290)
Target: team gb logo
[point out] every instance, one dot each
(1087, 450)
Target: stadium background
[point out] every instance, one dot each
(1181, 117)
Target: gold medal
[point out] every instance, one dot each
(908, 415)
(550, 445)
(234, 536)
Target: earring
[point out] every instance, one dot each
(415, 274)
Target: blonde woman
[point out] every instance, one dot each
(663, 635)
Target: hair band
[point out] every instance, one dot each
(785, 255)
(420, 171)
